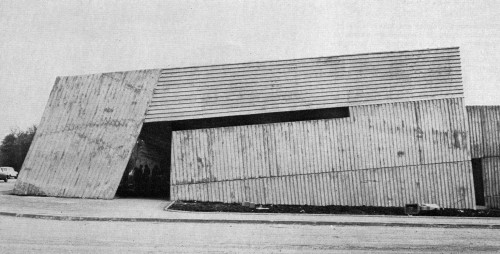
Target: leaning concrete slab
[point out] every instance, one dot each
(86, 135)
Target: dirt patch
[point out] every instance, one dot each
(359, 210)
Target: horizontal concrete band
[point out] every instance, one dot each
(255, 88)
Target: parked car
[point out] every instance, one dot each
(4, 176)
(10, 172)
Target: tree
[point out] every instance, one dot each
(15, 146)
(7, 150)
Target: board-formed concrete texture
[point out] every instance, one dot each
(88, 130)
(484, 125)
(381, 155)
(304, 84)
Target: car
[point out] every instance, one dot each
(10, 172)
(4, 176)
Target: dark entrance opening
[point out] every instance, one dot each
(148, 170)
(477, 175)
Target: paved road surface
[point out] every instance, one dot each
(7, 186)
(24, 235)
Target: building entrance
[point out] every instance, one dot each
(148, 170)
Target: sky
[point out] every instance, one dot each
(40, 40)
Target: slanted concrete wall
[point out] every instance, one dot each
(86, 135)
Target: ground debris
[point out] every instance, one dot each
(357, 210)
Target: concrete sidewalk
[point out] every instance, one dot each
(151, 210)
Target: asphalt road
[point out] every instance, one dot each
(7, 186)
(24, 235)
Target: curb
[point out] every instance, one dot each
(210, 221)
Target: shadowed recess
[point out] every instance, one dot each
(292, 116)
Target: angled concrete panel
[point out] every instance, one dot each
(86, 135)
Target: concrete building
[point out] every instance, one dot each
(484, 125)
(380, 129)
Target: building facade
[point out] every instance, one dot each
(380, 129)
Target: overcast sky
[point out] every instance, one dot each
(40, 40)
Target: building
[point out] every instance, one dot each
(380, 129)
(484, 125)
